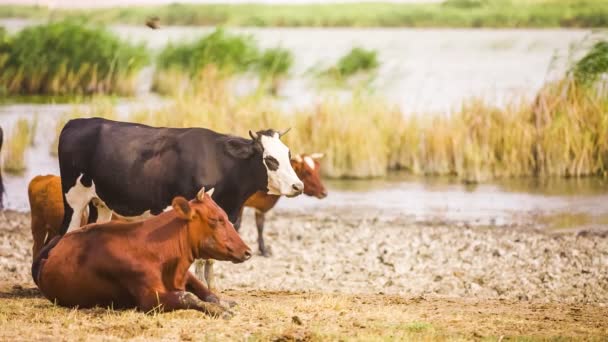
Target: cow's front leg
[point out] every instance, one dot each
(259, 222)
(209, 274)
(77, 198)
(199, 270)
(194, 285)
(179, 300)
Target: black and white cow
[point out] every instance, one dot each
(137, 169)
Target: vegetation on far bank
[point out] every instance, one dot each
(180, 66)
(450, 13)
(68, 58)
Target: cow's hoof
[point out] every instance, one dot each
(266, 252)
(228, 303)
(212, 298)
(227, 314)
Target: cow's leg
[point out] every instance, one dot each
(104, 214)
(209, 276)
(239, 219)
(77, 198)
(93, 215)
(200, 289)
(259, 222)
(179, 300)
(199, 270)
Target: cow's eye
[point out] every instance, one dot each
(213, 221)
(271, 163)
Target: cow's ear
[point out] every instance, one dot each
(182, 208)
(241, 149)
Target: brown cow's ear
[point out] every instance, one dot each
(182, 208)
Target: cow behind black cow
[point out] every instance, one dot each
(137, 169)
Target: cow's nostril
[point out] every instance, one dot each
(298, 187)
(247, 255)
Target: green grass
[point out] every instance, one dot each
(357, 62)
(68, 57)
(595, 63)
(452, 13)
(182, 66)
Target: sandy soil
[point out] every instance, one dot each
(343, 272)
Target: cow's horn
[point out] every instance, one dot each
(253, 135)
(201, 195)
(284, 132)
(210, 192)
(317, 155)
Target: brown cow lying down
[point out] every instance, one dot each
(141, 264)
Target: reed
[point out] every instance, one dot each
(182, 67)
(16, 146)
(563, 132)
(99, 107)
(68, 58)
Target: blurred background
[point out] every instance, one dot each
(472, 112)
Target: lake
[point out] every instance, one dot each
(422, 70)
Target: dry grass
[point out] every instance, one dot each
(564, 132)
(293, 316)
(100, 107)
(16, 146)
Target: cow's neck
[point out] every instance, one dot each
(245, 185)
(172, 243)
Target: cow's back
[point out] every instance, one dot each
(134, 167)
(89, 267)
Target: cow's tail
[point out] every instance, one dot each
(41, 258)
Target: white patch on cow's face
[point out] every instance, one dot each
(283, 180)
(311, 163)
(78, 197)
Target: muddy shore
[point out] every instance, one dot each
(351, 252)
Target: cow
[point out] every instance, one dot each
(136, 170)
(46, 209)
(142, 264)
(307, 168)
(1, 183)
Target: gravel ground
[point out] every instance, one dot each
(348, 252)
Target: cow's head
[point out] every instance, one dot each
(307, 168)
(210, 230)
(275, 161)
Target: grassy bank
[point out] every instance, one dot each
(451, 13)
(68, 58)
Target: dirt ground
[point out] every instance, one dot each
(348, 275)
